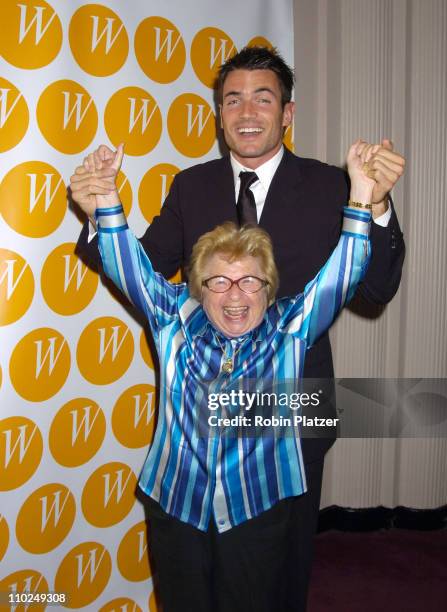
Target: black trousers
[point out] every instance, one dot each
(262, 565)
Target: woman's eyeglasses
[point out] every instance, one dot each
(247, 284)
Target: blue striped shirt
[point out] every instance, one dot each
(195, 470)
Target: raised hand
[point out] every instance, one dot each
(385, 167)
(93, 184)
(362, 185)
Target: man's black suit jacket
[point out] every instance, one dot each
(302, 214)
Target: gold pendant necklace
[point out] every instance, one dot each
(228, 364)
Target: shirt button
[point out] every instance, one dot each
(221, 521)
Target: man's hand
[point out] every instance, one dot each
(93, 185)
(385, 167)
(360, 154)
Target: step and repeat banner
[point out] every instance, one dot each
(77, 387)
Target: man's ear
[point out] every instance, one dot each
(220, 115)
(287, 113)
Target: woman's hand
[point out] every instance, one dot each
(359, 156)
(93, 185)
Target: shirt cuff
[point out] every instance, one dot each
(356, 221)
(110, 220)
(91, 231)
(384, 219)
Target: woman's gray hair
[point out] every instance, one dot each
(233, 243)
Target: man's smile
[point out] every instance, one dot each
(250, 130)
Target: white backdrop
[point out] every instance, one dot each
(76, 378)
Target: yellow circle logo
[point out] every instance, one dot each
(132, 556)
(191, 125)
(133, 116)
(77, 432)
(67, 116)
(98, 40)
(40, 364)
(4, 536)
(14, 115)
(45, 518)
(154, 188)
(109, 494)
(146, 351)
(68, 285)
(33, 199)
(125, 192)
(24, 581)
(289, 137)
(20, 451)
(152, 603)
(133, 416)
(31, 33)
(105, 350)
(83, 574)
(159, 49)
(16, 286)
(177, 278)
(260, 41)
(121, 604)
(210, 48)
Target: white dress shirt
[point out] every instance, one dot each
(265, 173)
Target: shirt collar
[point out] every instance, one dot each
(265, 171)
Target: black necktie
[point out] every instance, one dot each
(246, 205)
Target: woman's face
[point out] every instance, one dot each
(234, 312)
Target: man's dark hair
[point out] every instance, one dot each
(259, 58)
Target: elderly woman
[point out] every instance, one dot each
(218, 505)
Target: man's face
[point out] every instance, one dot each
(234, 312)
(252, 116)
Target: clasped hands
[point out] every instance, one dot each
(93, 184)
(380, 163)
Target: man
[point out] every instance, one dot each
(298, 201)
